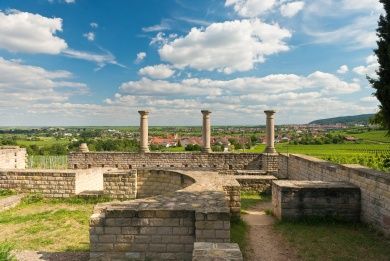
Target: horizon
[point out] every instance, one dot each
(61, 65)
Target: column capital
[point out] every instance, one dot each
(269, 112)
(142, 113)
(205, 112)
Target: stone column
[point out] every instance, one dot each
(206, 131)
(270, 132)
(144, 139)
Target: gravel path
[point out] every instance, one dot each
(48, 256)
(264, 243)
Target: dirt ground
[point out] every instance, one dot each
(263, 242)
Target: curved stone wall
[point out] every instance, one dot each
(159, 182)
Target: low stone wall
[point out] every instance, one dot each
(261, 184)
(12, 157)
(164, 227)
(120, 184)
(293, 199)
(208, 161)
(49, 183)
(159, 182)
(374, 185)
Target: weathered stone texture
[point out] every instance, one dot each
(12, 157)
(293, 199)
(259, 183)
(374, 185)
(204, 251)
(49, 183)
(120, 184)
(208, 161)
(270, 162)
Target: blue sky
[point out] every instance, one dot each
(79, 62)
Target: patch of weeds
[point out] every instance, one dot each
(32, 198)
(251, 198)
(269, 212)
(5, 252)
(332, 239)
(238, 233)
(82, 200)
(6, 193)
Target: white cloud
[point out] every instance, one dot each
(90, 36)
(94, 25)
(369, 69)
(343, 69)
(251, 8)
(140, 57)
(30, 33)
(230, 46)
(356, 35)
(292, 8)
(164, 25)
(160, 71)
(21, 84)
(100, 59)
(369, 99)
(70, 1)
(362, 5)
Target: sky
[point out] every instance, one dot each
(88, 63)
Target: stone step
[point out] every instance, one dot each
(251, 172)
(91, 193)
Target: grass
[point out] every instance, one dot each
(5, 252)
(6, 193)
(48, 225)
(238, 233)
(251, 198)
(334, 240)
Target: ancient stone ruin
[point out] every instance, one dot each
(178, 206)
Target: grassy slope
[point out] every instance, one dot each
(47, 226)
(327, 240)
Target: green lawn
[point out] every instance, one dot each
(373, 136)
(47, 225)
(331, 240)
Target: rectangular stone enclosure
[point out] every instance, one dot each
(292, 199)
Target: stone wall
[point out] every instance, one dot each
(209, 161)
(49, 183)
(374, 185)
(164, 227)
(142, 234)
(159, 182)
(270, 162)
(12, 157)
(294, 199)
(120, 184)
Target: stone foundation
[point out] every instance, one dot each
(165, 227)
(302, 199)
(216, 251)
(261, 184)
(374, 185)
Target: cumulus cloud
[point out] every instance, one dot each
(292, 8)
(369, 69)
(30, 33)
(90, 36)
(22, 84)
(343, 69)
(94, 25)
(228, 47)
(140, 57)
(251, 8)
(160, 71)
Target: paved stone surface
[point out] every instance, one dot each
(216, 252)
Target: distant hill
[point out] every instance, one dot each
(348, 120)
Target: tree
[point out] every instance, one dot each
(381, 84)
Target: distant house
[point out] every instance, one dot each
(350, 138)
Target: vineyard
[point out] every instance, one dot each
(47, 162)
(376, 156)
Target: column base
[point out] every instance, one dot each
(144, 150)
(270, 150)
(206, 150)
